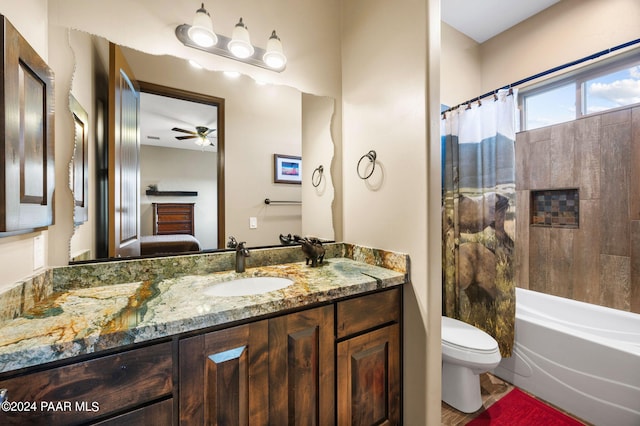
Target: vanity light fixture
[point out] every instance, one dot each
(201, 36)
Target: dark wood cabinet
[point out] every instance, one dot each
(301, 368)
(333, 364)
(368, 360)
(26, 135)
(224, 377)
(98, 388)
(277, 371)
(173, 218)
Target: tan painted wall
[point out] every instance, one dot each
(386, 76)
(461, 66)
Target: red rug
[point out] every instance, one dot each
(519, 409)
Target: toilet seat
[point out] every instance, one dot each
(462, 342)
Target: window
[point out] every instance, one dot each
(600, 87)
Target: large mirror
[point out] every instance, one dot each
(222, 175)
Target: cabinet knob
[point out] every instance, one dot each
(4, 394)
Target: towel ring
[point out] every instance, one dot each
(319, 170)
(371, 155)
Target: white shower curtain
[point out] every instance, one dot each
(479, 217)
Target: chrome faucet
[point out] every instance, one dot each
(241, 253)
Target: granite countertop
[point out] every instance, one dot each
(78, 321)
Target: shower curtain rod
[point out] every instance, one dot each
(549, 71)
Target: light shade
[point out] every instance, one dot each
(274, 56)
(201, 32)
(240, 44)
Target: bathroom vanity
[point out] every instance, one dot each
(325, 350)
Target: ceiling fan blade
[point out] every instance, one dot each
(177, 129)
(185, 137)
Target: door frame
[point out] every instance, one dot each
(186, 95)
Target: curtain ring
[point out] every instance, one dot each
(318, 170)
(371, 155)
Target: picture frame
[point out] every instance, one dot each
(79, 179)
(287, 169)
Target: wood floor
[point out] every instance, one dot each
(492, 389)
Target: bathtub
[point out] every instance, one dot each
(580, 357)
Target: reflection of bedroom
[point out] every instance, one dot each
(177, 165)
(160, 166)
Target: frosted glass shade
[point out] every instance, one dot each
(240, 44)
(274, 56)
(201, 32)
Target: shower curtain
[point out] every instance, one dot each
(478, 216)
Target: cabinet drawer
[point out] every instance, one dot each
(366, 312)
(174, 228)
(160, 413)
(174, 217)
(71, 394)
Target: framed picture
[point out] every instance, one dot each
(79, 181)
(287, 169)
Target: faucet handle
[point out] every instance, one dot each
(233, 243)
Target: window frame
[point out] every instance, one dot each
(579, 77)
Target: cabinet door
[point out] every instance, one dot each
(301, 368)
(369, 378)
(224, 377)
(26, 134)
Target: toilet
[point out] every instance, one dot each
(467, 352)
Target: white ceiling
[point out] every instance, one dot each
(483, 19)
(160, 114)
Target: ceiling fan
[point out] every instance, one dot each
(200, 134)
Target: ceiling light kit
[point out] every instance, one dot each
(201, 36)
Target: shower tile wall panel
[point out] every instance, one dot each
(588, 157)
(561, 156)
(615, 289)
(615, 167)
(600, 261)
(586, 253)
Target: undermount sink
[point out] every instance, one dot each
(247, 286)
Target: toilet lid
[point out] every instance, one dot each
(461, 334)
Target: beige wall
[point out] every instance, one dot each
(387, 77)
(461, 66)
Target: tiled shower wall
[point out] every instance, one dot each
(598, 262)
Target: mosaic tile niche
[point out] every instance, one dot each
(555, 208)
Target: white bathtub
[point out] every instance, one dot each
(580, 357)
